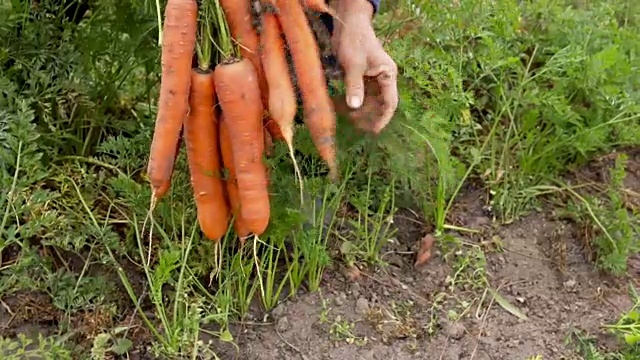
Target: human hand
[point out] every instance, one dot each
(370, 73)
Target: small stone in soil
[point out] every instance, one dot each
(569, 284)
(455, 330)
(279, 311)
(283, 324)
(362, 305)
(355, 290)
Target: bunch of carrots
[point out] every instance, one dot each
(227, 112)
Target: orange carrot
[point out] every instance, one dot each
(239, 224)
(268, 143)
(282, 96)
(319, 6)
(203, 156)
(320, 117)
(239, 19)
(178, 43)
(239, 97)
(271, 125)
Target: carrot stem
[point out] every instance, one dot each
(204, 44)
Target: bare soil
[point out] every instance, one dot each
(394, 314)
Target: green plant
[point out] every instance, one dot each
(610, 228)
(628, 326)
(46, 348)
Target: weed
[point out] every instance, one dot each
(105, 343)
(270, 288)
(609, 227)
(628, 326)
(340, 329)
(370, 232)
(47, 348)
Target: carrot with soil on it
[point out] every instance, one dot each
(236, 83)
(239, 97)
(178, 43)
(239, 224)
(239, 19)
(320, 117)
(322, 7)
(271, 125)
(203, 156)
(282, 97)
(202, 143)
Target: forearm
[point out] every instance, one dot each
(368, 7)
(374, 3)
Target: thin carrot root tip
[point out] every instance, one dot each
(298, 174)
(334, 176)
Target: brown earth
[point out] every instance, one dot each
(393, 312)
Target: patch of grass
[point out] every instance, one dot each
(628, 326)
(609, 225)
(518, 85)
(340, 329)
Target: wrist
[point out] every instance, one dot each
(356, 8)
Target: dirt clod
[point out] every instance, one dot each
(362, 305)
(283, 324)
(279, 311)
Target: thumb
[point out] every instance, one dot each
(354, 81)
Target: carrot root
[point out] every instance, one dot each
(203, 156)
(239, 18)
(282, 97)
(240, 102)
(239, 224)
(179, 32)
(320, 116)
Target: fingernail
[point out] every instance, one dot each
(354, 102)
